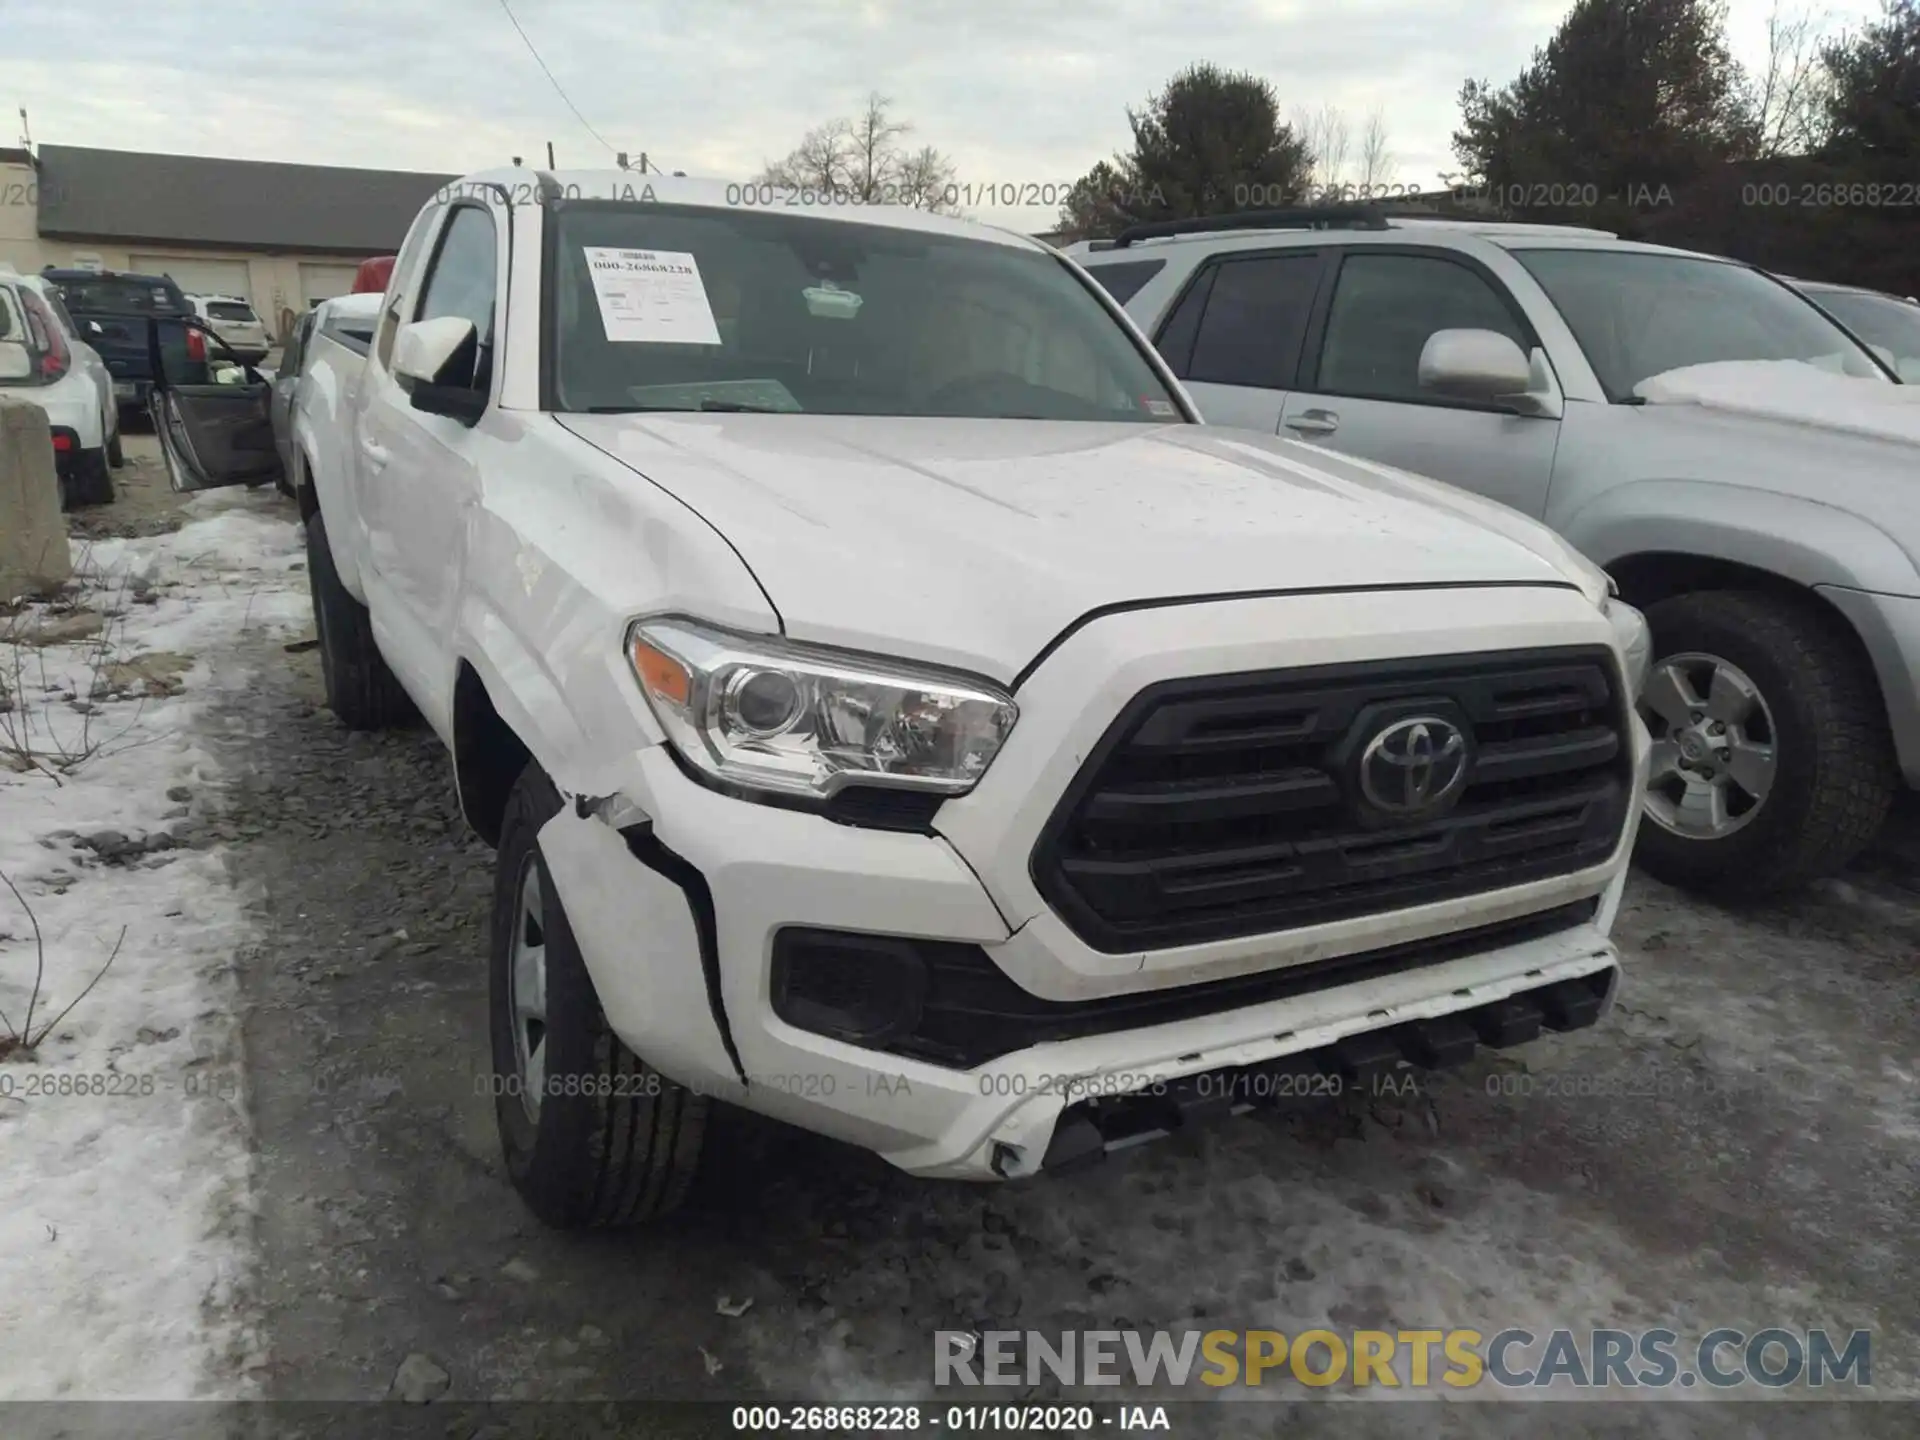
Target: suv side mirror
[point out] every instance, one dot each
(434, 361)
(1479, 365)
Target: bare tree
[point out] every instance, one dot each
(865, 159)
(821, 161)
(1329, 141)
(1789, 101)
(1376, 159)
(924, 180)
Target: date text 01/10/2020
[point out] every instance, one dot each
(883, 1419)
(1246, 1086)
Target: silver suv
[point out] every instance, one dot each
(1682, 419)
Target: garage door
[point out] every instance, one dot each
(199, 277)
(323, 282)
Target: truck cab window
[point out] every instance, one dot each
(462, 282)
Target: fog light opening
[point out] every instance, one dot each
(865, 990)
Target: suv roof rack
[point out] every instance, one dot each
(1306, 217)
(1492, 223)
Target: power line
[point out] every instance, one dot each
(550, 80)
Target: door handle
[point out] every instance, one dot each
(377, 455)
(1314, 422)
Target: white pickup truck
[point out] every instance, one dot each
(896, 714)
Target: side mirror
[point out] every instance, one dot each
(425, 350)
(15, 362)
(1479, 365)
(434, 362)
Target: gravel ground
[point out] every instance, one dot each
(1750, 1158)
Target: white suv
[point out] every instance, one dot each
(43, 359)
(233, 320)
(896, 715)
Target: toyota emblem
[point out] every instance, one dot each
(1414, 765)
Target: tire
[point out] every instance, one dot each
(624, 1147)
(1833, 775)
(361, 690)
(92, 482)
(116, 456)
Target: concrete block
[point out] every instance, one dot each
(33, 534)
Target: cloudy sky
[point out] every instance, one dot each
(1017, 93)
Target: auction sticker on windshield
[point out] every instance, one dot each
(651, 296)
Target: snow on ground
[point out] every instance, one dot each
(124, 1205)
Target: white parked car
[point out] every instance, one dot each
(896, 714)
(233, 320)
(43, 357)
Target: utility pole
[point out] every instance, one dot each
(26, 132)
(550, 155)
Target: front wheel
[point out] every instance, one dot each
(594, 1137)
(361, 691)
(1772, 762)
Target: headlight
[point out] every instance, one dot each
(1635, 642)
(794, 720)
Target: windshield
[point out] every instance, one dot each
(229, 310)
(123, 296)
(1889, 326)
(1640, 314)
(684, 308)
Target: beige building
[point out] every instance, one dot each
(279, 236)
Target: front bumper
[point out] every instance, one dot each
(676, 894)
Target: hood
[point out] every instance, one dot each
(974, 543)
(1791, 392)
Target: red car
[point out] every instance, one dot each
(373, 275)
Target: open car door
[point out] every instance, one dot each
(211, 411)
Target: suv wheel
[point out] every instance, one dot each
(361, 690)
(1772, 763)
(92, 482)
(594, 1137)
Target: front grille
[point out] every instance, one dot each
(1232, 805)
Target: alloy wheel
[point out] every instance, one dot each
(1715, 746)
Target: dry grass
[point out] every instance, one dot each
(22, 1040)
